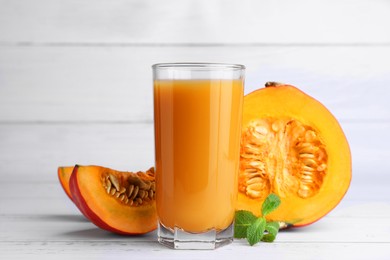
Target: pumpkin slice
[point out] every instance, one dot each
(64, 174)
(294, 147)
(120, 202)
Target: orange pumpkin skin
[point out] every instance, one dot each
(305, 158)
(64, 174)
(106, 211)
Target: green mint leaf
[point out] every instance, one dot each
(270, 204)
(272, 229)
(243, 220)
(255, 231)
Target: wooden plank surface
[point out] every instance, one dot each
(152, 250)
(50, 224)
(57, 84)
(194, 21)
(42, 221)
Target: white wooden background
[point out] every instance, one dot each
(75, 87)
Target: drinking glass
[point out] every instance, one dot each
(197, 123)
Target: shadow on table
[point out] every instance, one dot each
(63, 217)
(314, 227)
(97, 233)
(80, 227)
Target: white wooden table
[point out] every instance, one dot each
(75, 87)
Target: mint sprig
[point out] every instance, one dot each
(243, 220)
(272, 228)
(256, 229)
(255, 232)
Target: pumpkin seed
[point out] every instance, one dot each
(114, 181)
(135, 192)
(141, 194)
(108, 184)
(112, 192)
(130, 191)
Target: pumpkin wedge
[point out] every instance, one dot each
(120, 202)
(294, 147)
(64, 173)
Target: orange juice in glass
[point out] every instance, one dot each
(197, 119)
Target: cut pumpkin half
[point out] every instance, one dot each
(294, 147)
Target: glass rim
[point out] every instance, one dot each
(198, 66)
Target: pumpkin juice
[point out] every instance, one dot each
(197, 139)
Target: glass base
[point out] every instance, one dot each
(180, 239)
